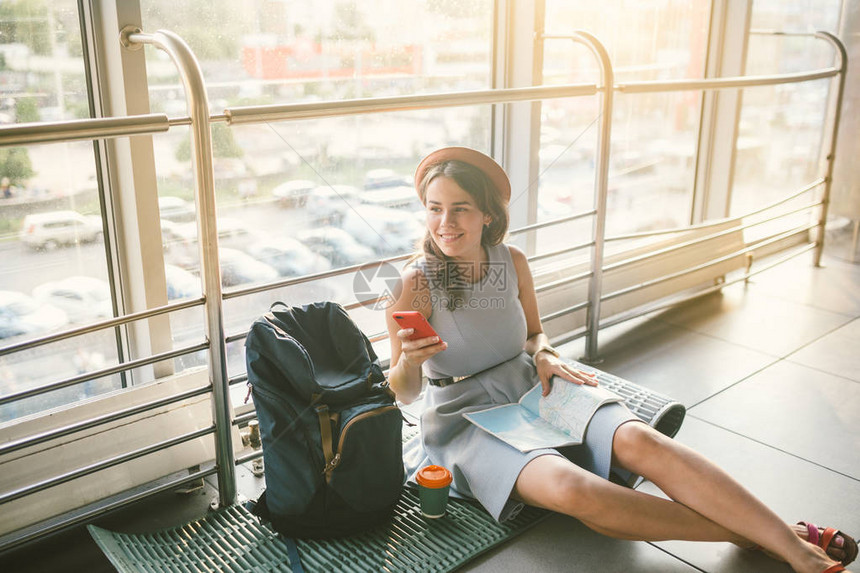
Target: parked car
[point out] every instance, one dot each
(83, 299)
(337, 245)
(293, 193)
(229, 167)
(289, 257)
(21, 314)
(51, 229)
(386, 231)
(238, 268)
(399, 197)
(181, 283)
(328, 204)
(176, 209)
(380, 178)
(232, 232)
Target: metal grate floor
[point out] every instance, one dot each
(232, 539)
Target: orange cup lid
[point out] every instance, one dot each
(433, 476)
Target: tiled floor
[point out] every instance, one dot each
(770, 372)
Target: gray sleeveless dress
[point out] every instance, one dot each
(485, 333)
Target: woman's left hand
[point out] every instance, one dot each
(548, 366)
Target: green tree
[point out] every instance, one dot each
(212, 28)
(15, 164)
(350, 24)
(25, 21)
(223, 144)
(458, 9)
(26, 110)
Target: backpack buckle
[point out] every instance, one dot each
(332, 464)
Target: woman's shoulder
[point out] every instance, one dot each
(517, 255)
(519, 261)
(414, 291)
(413, 278)
(413, 272)
(514, 250)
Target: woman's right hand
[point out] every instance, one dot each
(415, 352)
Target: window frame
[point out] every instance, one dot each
(119, 88)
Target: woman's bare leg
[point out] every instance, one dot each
(692, 480)
(628, 514)
(609, 508)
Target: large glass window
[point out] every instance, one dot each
(305, 197)
(54, 274)
(782, 127)
(652, 159)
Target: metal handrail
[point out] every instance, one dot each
(43, 437)
(548, 286)
(292, 281)
(101, 325)
(249, 457)
(234, 293)
(601, 192)
(648, 309)
(831, 154)
(101, 509)
(699, 240)
(83, 129)
(710, 263)
(95, 374)
(562, 251)
(207, 233)
(719, 222)
(242, 115)
(280, 112)
(724, 83)
(562, 282)
(105, 464)
(557, 221)
(564, 311)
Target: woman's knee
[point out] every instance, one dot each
(637, 443)
(555, 483)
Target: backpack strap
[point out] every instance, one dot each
(261, 509)
(331, 458)
(293, 554)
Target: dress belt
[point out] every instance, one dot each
(442, 382)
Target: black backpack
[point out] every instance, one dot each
(331, 432)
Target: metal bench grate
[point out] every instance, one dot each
(232, 539)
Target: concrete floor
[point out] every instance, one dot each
(770, 374)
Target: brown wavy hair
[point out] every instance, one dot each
(487, 198)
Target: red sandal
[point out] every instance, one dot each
(849, 546)
(834, 568)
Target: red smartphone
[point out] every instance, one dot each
(416, 320)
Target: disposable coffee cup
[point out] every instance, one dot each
(433, 485)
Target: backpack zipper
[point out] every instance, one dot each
(335, 461)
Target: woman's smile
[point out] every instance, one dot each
(449, 237)
(454, 220)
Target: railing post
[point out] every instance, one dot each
(601, 183)
(831, 153)
(207, 234)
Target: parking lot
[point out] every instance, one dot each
(262, 238)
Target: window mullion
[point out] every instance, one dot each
(721, 110)
(519, 63)
(128, 168)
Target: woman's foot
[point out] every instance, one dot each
(836, 544)
(840, 547)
